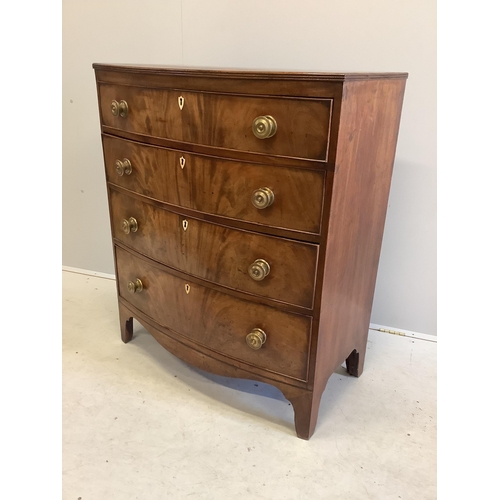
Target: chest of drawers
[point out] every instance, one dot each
(247, 213)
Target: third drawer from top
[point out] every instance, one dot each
(269, 266)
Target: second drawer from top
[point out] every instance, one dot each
(281, 197)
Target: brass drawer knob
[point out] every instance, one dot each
(264, 127)
(262, 198)
(123, 167)
(135, 286)
(259, 270)
(130, 225)
(256, 338)
(119, 108)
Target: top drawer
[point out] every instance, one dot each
(222, 120)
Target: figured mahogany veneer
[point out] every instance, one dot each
(217, 186)
(195, 167)
(222, 120)
(217, 320)
(217, 253)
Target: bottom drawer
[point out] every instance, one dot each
(217, 320)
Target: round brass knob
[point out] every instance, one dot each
(256, 338)
(130, 225)
(119, 108)
(264, 127)
(115, 108)
(123, 109)
(259, 270)
(123, 167)
(135, 286)
(262, 198)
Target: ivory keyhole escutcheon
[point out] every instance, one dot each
(185, 224)
(181, 102)
(182, 161)
(187, 288)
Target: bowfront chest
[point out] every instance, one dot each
(247, 212)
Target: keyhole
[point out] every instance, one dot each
(181, 102)
(185, 224)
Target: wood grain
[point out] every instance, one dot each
(217, 186)
(330, 165)
(247, 74)
(217, 253)
(216, 320)
(222, 120)
(367, 137)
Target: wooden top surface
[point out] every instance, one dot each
(233, 73)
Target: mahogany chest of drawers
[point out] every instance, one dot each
(247, 212)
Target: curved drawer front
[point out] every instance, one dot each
(219, 187)
(217, 320)
(217, 253)
(222, 120)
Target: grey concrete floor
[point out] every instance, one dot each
(140, 424)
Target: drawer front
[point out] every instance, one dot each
(219, 187)
(222, 120)
(217, 320)
(217, 253)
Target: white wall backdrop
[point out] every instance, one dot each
(299, 35)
